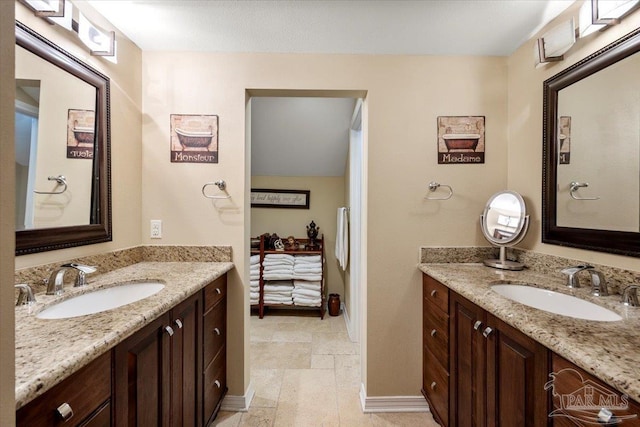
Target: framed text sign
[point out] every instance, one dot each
(290, 199)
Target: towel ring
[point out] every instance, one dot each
(222, 186)
(575, 186)
(433, 186)
(60, 179)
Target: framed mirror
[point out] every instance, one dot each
(504, 223)
(591, 152)
(63, 182)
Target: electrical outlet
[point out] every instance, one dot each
(156, 229)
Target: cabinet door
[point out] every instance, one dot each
(142, 364)
(467, 367)
(186, 321)
(517, 367)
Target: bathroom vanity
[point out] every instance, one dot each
(490, 361)
(158, 361)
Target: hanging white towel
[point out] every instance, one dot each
(342, 238)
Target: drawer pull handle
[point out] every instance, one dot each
(217, 383)
(178, 323)
(477, 325)
(433, 332)
(433, 385)
(217, 331)
(169, 330)
(65, 411)
(218, 291)
(434, 292)
(487, 332)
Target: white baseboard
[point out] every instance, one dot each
(238, 403)
(392, 403)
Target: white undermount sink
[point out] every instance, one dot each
(101, 300)
(555, 302)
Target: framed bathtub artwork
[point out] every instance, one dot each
(194, 138)
(80, 134)
(460, 139)
(564, 140)
(290, 199)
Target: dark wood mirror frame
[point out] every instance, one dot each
(99, 229)
(617, 242)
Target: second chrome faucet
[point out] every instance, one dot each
(55, 284)
(598, 282)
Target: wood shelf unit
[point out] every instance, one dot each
(261, 306)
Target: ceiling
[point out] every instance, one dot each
(309, 136)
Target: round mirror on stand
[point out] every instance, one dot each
(504, 223)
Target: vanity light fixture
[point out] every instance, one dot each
(598, 14)
(555, 43)
(54, 8)
(101, 43)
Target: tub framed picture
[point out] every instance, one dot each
(194, 138)
(80, 134)
(460, 139)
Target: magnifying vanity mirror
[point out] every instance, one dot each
(591, 160)
(504, 223)
(62, 148)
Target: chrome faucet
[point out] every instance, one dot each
(25, 295)
(572, 274)
(630, 296)
(598, 284)
(55, 284)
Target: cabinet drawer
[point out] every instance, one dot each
(215, 384)
(436, 386)
(85, 391)
(575, 381)
(436, 293)
(214, 332)
(214, 292)
(102, 417)
(436, 339)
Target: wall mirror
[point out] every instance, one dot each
(591, 152)
(63, 190)
(504, 223)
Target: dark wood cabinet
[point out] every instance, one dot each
(84, 398)
(468, 363)
(214, 375)
(517, 369)
(571, 387)
(496, 374)
(158, 370)
(435, 342)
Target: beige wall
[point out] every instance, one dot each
(126, 133)
(7, 223)
(525, 131)
(327, 195)
(405, 94)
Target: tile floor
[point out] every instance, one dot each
(306, 372)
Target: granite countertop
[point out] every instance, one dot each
(48, 351)
(608, 350)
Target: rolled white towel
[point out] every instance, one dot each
(254, 267)
(311, 277)
(254, 295)
(254, 259)
(304, 284)
(279, 270)
(308, 259)
(278, 276)
(306, 293)
(314, 270)
(254, 282)
(309, 302)
(279, 256)
(278, 287)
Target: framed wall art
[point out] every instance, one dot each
(194, 138)
(80, 134)
(290, 199)
(461, 139)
